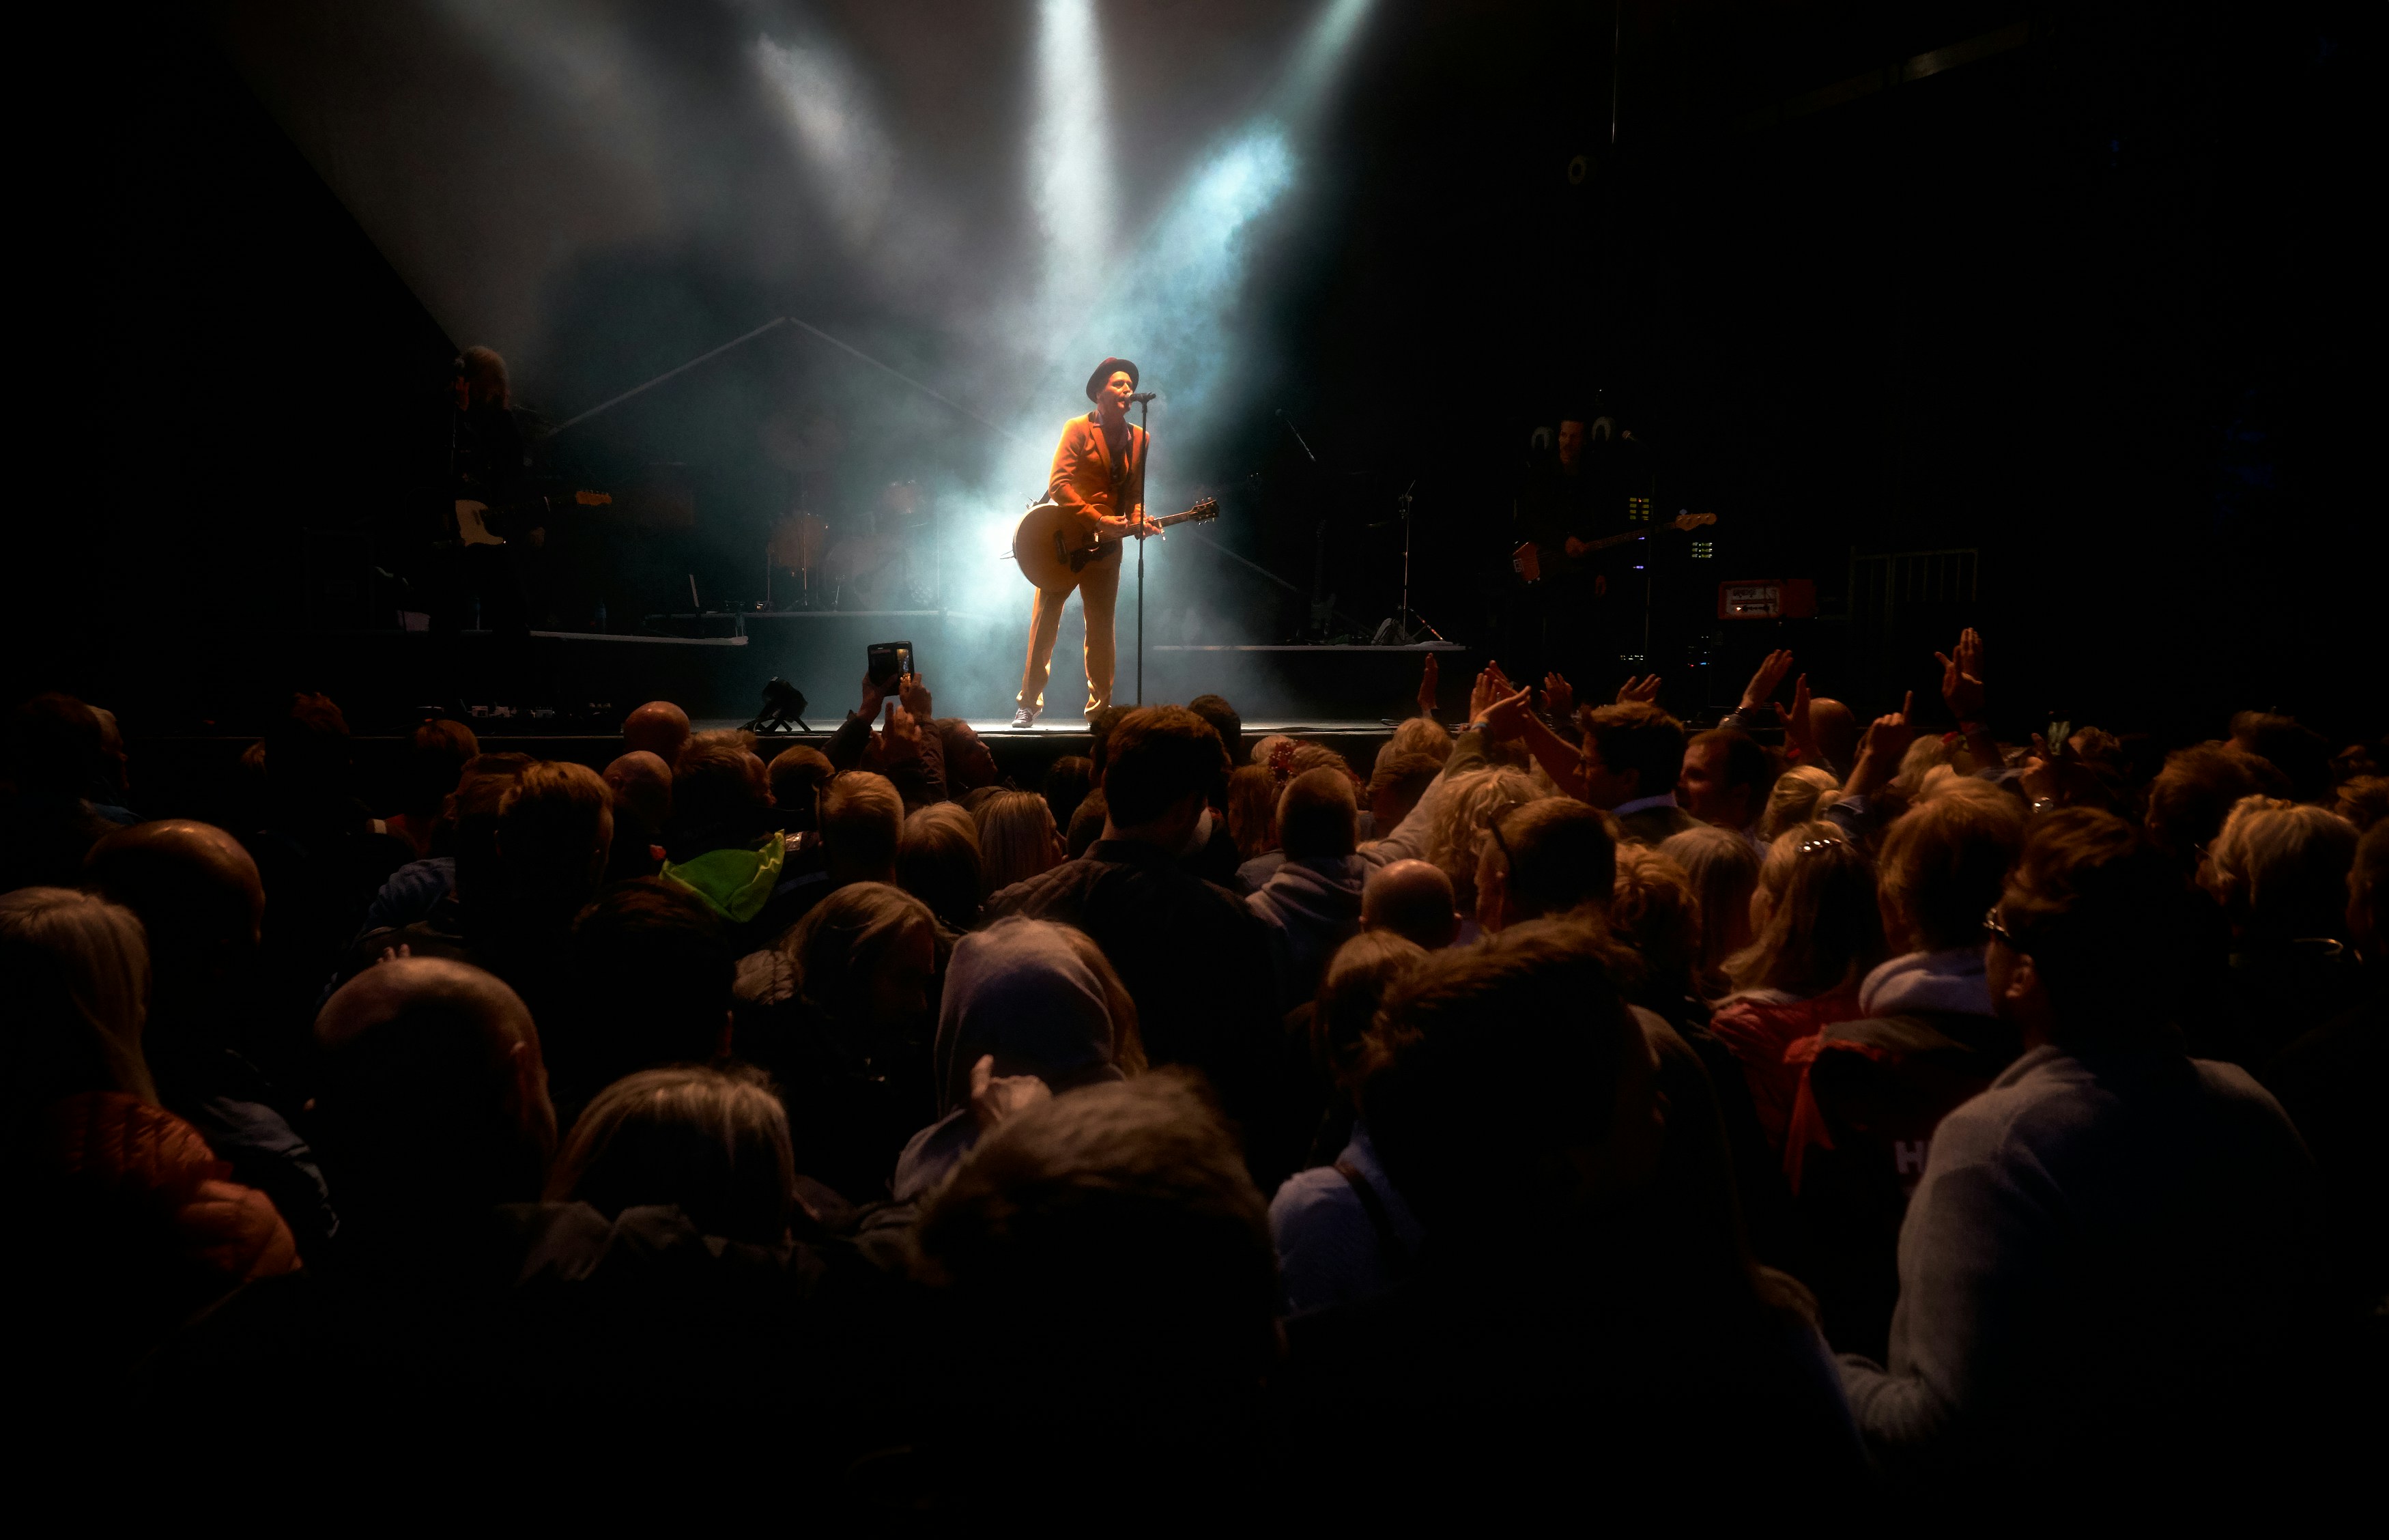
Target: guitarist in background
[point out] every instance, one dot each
(1099, 476)
(486, 459)
(1581, 497)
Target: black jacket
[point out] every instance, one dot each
(1194, 959)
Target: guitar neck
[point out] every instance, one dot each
(1169, 519)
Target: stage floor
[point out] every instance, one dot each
(1073, 727)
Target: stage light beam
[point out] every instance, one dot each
(836, 129)
(1069, 158)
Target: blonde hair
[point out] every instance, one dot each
(1929, 751)
(74, 970)
(1017, 836)
(1823, 929)
(937, 862)
(1794, 801)
(714, 1143)
(1471, 801)
(841, 942)
(1422, 735)
(1653, 908)
(862, 819)
(2281, 867)
(1318, 756)
(1723, 870)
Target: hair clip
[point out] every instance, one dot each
(1810, 847)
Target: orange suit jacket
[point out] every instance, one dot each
(1085, 480)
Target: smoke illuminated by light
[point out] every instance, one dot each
(1173, 303)
(828, 108)
(1069, 158)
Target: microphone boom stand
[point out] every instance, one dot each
(1144, 419)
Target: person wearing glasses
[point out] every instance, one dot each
(2112, 1266)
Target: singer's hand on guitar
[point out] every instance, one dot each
(1575, 546)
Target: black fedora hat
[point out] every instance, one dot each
(1105, 370)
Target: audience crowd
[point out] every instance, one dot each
(1839, 1116)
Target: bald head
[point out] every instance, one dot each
(195, 887)
(641, 781)
(658, 727)
(1836, 728)
(432, 1091)
(1412, 899)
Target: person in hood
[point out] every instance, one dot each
(1025, 999)
(1311, 903)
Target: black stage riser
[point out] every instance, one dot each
(384, 679)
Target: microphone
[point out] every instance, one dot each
(1145, 395)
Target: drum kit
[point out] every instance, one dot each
(882, 559)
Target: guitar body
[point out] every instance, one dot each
(472, 525)
(1054, 545)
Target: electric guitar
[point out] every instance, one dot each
(474, 520)
(1054, 545)
(1528, 560)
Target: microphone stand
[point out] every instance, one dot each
(1144, 418)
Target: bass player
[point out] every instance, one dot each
(1099, 476)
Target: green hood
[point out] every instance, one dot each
(737, 883)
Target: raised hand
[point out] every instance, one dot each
(1796, 727)
(1962, 676)
(900, 738)
(916, 695)
(1491, 687)
(1559, 697)
(994, 1097)
(873, 694)
(1429, 678)
(1645, 689)
(1884, 747)
(1888, 738)
(1505, 717)
(1771, 670)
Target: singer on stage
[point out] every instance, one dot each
(1099, 475)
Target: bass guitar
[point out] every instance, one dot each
(1054, 545)
(1528, 560)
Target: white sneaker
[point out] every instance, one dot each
(1024, 717)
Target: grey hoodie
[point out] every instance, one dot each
(1311, 906)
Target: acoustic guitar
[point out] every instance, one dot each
(1528, 560)
(1054, 545)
